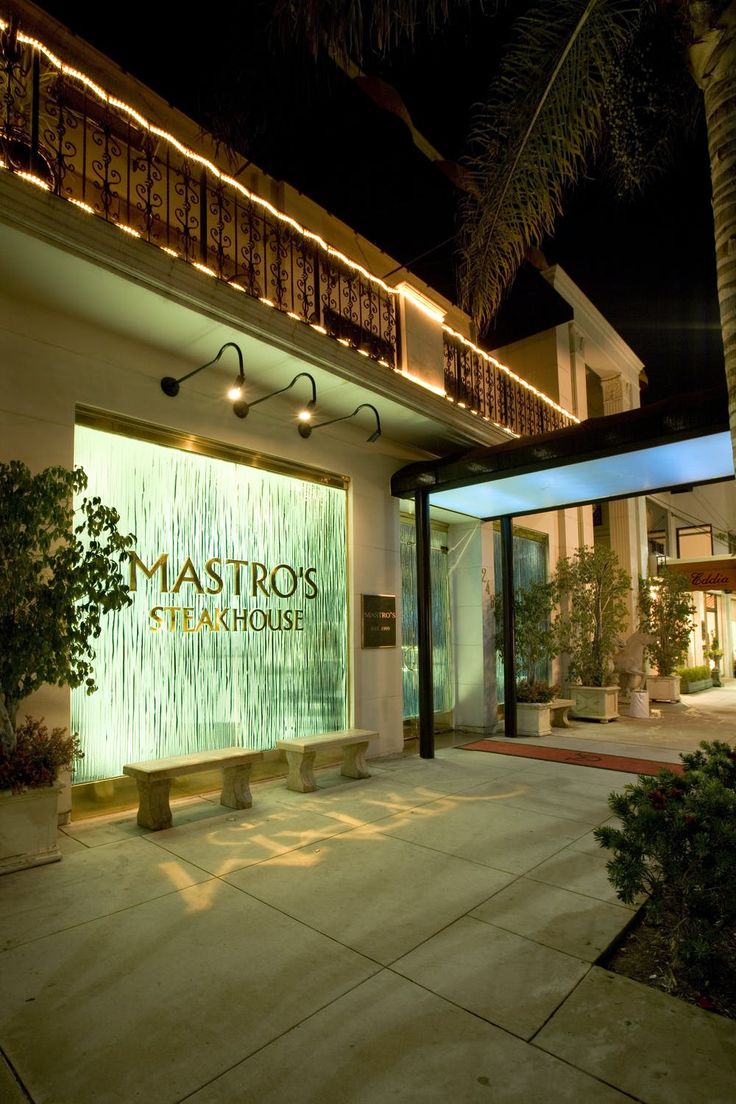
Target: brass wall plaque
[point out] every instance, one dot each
(378, 618)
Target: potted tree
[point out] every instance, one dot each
(666, 611)
(591, 588)
(534, 647)
(60, 571)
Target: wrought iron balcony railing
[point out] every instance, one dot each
(65, 133)
(481, 384)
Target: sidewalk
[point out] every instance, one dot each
(427, 934)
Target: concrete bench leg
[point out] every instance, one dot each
(236, 787)
(301, 771)
(353, 761)
(154, 810)
(560, 718)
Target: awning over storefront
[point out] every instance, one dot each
(675, 444)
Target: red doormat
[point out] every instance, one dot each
(578, 758)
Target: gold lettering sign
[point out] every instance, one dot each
(233, 578)
(379, 620)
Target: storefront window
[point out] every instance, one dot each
(237, 632)
(530, 565)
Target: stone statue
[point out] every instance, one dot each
(628, 663)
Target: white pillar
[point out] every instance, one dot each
(473, 626)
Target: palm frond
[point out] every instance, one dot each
(346, 27)
(534, 135)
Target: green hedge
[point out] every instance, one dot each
(694, 674)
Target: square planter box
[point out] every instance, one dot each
(664, 688)
(533, 719)
(28, 828)
(595, 703)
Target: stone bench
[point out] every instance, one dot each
(301, 753)
(559, 709)
(154, 781)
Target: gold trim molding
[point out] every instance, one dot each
(205, 446)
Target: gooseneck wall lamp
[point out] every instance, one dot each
(305, 429)
(241, 407)
(170, 386)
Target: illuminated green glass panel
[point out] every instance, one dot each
(237, 679)
(444, 696)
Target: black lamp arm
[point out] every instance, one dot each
(301, 375)
(227, 345)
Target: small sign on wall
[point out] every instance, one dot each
(378, 619)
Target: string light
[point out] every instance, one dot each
(406, 291)
(128, 229)
(33, 179)
(502, 368)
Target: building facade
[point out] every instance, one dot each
(142, 278)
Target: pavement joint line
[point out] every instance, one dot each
(280, 1035)
(18, 1079)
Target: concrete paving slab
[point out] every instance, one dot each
(10, 1090)
(357, 802)
(390, 1040)
(659, 1049)
(241, 838)
(341, 888)
(574, 801)
(150, 1003)
(508, 980)
(481, 827)
(581, 872)
(87, 884)
(559, 918)
(116, 827)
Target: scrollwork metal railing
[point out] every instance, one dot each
(481, 384)
(63, 132)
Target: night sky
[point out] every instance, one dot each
(647, 264)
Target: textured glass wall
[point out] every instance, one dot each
(182, 671)
(441, 634)
(530, 566)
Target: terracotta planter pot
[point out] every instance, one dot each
(28, 828)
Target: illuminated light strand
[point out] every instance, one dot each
(192, 155)
(127, 229)
(508, 371)
(204, 268)
(252, 197)
(166, 249)
(81, 205)
(33, 179)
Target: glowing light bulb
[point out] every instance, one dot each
(235, 393)
(305, 415)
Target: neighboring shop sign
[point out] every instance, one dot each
(379, 620)
(717, 574)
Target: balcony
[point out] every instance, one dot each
(62, 132)
(480, 383)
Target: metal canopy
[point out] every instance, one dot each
(676, 443)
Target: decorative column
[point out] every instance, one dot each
(626, 517)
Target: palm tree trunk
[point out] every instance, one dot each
(713, 65)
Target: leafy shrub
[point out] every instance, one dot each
(38, 756)
(538, 692)
(694, 674)
(592, 589)
(677, 843)
(666, 612)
